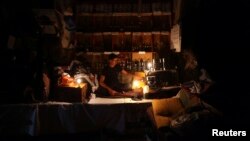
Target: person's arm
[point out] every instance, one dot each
(110, 90)
(124, 72)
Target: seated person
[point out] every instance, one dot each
(109, 81)
(191, 72)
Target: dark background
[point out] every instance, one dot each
(218, 31)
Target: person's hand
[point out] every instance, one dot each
(112, 92)
(128, 94)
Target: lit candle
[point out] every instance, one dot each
(163, 64)
(78, 81)
(153, 65)
(149, 65)
(145, 90)
(135, 84)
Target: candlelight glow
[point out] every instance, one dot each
(149, 65)
(78, 80)
(145, 89)
(138, 84)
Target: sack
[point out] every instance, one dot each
(184, 120)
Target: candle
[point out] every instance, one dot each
(145, 90)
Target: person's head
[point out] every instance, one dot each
(190, 59)
(113, 60)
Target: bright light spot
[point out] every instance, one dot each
(145, 89)
(135, 84)
(78, 80)
(149, 65)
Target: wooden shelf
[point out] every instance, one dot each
(156, 13)
(123, 23)
(125, 26)
(128, 60)
(123, 41)
(122, 26)
(125, 15)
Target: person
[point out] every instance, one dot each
(193, 74)
(109, 79)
